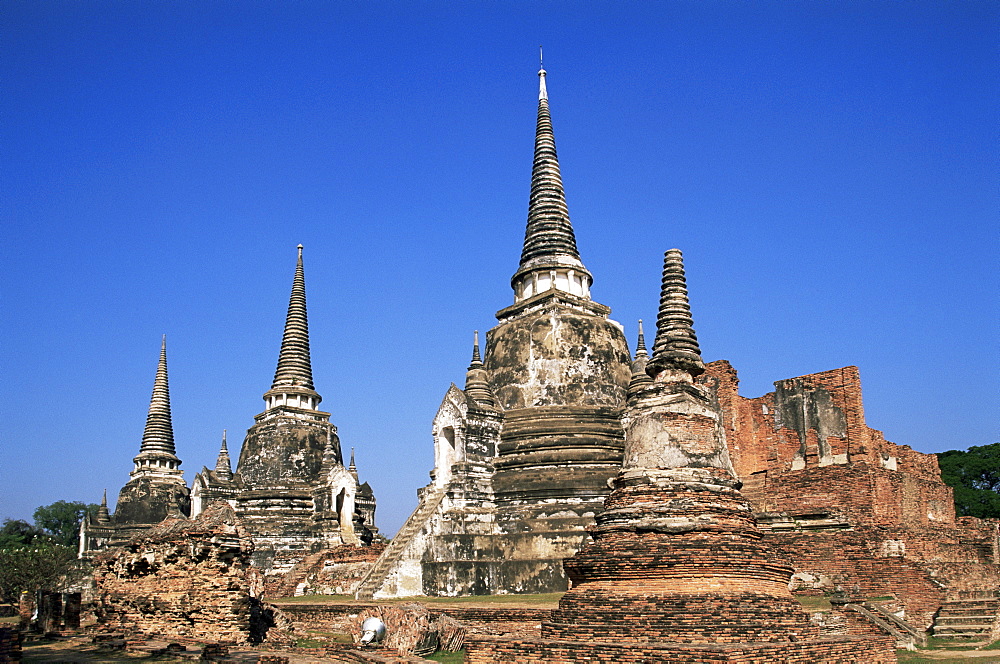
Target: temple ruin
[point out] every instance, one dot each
(851, 510)
(524, 453)
(187, 578)
(156, 488)
(677, 569)
(645, 485)
(291, 489)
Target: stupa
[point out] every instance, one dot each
(677, 570)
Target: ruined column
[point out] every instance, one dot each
(71, 610)
(49, 612)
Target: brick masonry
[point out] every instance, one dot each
(827, 650)
(182, 578)
(850, 510)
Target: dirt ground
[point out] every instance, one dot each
(80, 650)
(941, 656)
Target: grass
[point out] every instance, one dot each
(909, 657)
(312, 599)
(936, 642)
(814, 602)
(542, 600)
(447, 657)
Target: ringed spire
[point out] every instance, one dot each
(549, 257)
(477, 387)
(294, 363)
(293, 381)
(676, 346)
(223, 466)
(158, 435)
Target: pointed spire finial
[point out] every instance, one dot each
(294, 363)
(640, 379)
(477, 387)
(476, 358)
(329, 452)
(676, 345)
(640, 346)
(549, 241)
(158, 436)
(103, 516)
(223, 466)
(352, 469)
(543, 94)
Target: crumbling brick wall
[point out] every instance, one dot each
(334, 571)
(347, 617)
(182, 578)
(10, 644)
(848, 507)
(817, 420)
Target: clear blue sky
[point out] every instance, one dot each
(830, 170)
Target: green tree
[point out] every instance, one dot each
(61, 520)
(40, 565)
(15, 532)
(974, 474)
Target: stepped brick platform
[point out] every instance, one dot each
(967, 619)
(677, 571)
(829, 650)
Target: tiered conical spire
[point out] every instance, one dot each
(549, 241)
(353, 469)
(639, 376)
(676, 346)
(477, 387)
(223, 466)
(640, 344)
(294, 364)
(103, 516)
(158, 436)
(329, 452)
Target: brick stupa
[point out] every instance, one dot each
(677, 571)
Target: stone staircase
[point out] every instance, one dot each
(905, 634)
(297, 575)
(970, 620)
(380, 570)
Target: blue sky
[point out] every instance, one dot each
(830, 171)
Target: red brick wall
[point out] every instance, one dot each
(758, 444)
(829, 650)
(904, 538)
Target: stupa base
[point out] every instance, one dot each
(821, 650)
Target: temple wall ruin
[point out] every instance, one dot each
(851, 510)
(182, 578)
